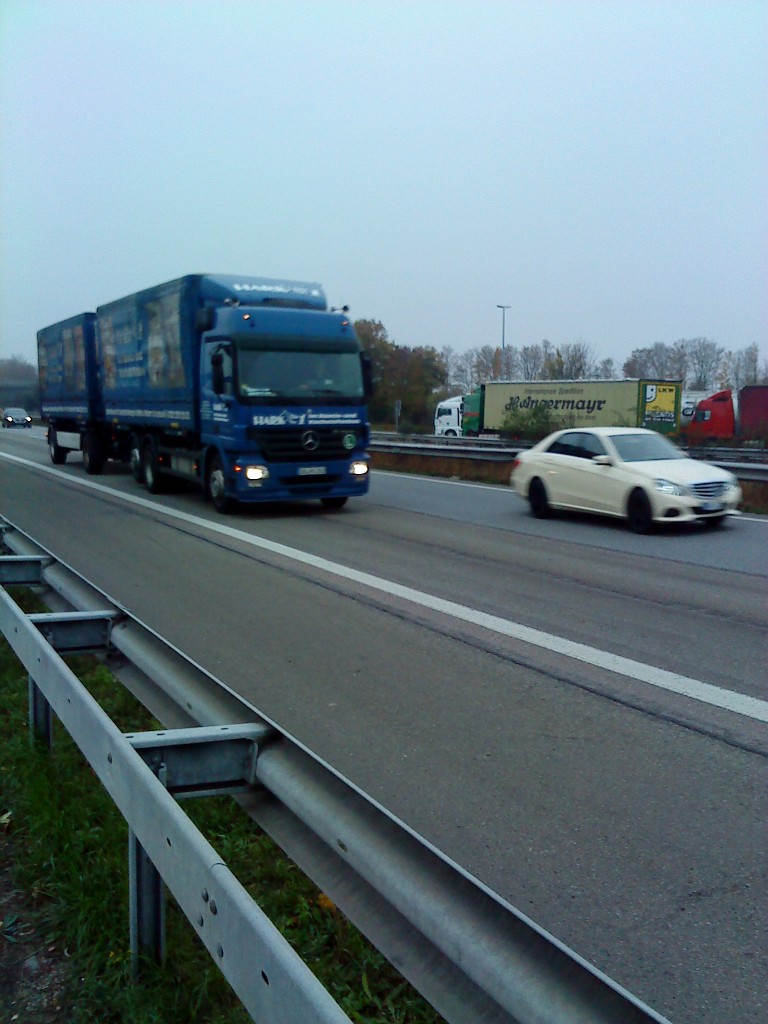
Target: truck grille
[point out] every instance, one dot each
(711, 489)
(299, 444)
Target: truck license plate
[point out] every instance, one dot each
(312, 470)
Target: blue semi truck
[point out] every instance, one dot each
(250, 387)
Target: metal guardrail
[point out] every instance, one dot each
(745, 463)
(469, 953)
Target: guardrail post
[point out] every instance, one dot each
(40, 716)
(188, 762)
(147, 907)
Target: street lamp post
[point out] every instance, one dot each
(503, 324)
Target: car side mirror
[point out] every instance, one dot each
(602, 460)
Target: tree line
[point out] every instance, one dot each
(409, 382)
(419, 378)
(18, 384)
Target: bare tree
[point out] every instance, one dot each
(509, 363)
(486, 362)
(578, 360)
(553, 368)
(466, 371)
(677, 367)
(605, 370)
(531, 362)
(638, 364)
(659, 360)
(741, 368)
(453, 364)
(704, 359)
(17, 369)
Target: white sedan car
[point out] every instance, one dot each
(628, 472)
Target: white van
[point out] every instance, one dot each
(448, 417)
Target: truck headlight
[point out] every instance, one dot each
(256, 472)
(668, 487)
(358, 468)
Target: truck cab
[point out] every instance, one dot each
(714, 418)
(283, 406)
(448, 417)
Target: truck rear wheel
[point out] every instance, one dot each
(58, 454)
(216, 486)
(149, 463)
(93, 454)
(137, 466)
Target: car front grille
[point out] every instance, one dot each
(711, 489)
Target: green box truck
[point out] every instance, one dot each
(574, 403)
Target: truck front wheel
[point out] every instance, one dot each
(93, 455)
(58, 454)
(216, 486)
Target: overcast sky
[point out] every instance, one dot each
(599, 167)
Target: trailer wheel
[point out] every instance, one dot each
(149, 464)
(93, 454)
(137, 465)
(58, 454)
(537, 496)
(216, 486)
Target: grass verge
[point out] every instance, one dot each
(64, 904)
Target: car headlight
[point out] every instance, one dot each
(668, 487)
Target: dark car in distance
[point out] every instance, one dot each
(16, 418)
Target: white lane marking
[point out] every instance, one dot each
(716, 696)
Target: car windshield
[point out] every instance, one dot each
(645, 447)
(15, 412)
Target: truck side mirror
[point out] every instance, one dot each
(367, 368)
(217, 373)
(205, 318)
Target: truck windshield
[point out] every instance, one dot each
(330, 378)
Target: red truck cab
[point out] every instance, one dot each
(714, 418)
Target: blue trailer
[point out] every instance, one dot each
(250, 387)
(66, 357)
